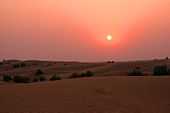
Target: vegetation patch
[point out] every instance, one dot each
(1, 63)
(42, 78)
(161, 70)
(23, 64)
(84, 74)
(7, 78)
(87, 74)
(136, 72)
(16, 66)
(39, 72)
(55, 77)
(35, 80)
(75, 75)
(19, 65)
(21, 79)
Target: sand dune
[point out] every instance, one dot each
(65, 69)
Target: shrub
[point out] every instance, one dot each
(39, 72)
(89, 74)
(55, 77)
(168, 71)
(111, 62)
(35, 80)
(160, 70)
(75, 75)
(19, 65)
(21, 79)
(7, 78)
(42, 78)
(1, 63)
(22, 64)
(84, 74)
(167, 58)
(135, 72)
(16, 66)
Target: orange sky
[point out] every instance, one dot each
(76, 29)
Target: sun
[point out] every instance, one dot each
(109, 37)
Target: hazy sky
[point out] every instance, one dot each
(77, 29)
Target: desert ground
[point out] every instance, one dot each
(109, 91)
(89, 95)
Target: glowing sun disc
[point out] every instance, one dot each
(109, 37)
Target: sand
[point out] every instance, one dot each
(89, 95)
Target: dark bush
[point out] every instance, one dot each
(89, 74)
(35, 80)
(160, 70)
(16, 65)
(83, 74)
(168, 71)
(7, 78)
(1, 63)
(19, 65)
(136, 72)
(55, 77)
(111, 62)
(39, 72)
(21, 79)
(22, 64)
(42, 78)
(75, 75)
(167, 58)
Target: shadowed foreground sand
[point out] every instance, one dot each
(91, 95)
